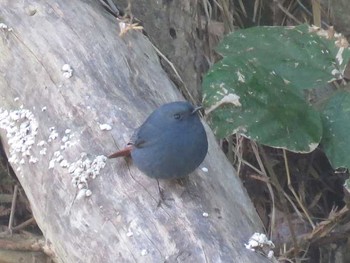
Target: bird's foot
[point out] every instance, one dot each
(162, 199)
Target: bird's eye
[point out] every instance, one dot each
(177, 116)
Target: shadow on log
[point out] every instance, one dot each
(51, 128)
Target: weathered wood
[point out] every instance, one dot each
(118, 81)
(177, 29)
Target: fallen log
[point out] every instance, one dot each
(66, 78)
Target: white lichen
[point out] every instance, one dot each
(42, 151)
(33, 159)
(88, 193)
(52, 163)
(64, 163)
(81, 193)
(259, 240)
(53, 134)
(67, 71)
(41, 143)
(21, 131)
(84, 170)
(5, 27)
(205, 169)
(105, 127)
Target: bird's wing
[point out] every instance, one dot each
(135, 137)
(146, 134)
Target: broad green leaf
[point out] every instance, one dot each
(258, 87)
(305, 59)
(263, 110)
(336, 123)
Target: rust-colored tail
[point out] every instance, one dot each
(124, 152)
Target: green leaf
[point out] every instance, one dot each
(263, 110)
(258, 87)
(336, 122)
(293, 53)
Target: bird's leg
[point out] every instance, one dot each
(161, 194)
(162, 198)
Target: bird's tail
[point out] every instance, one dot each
(125, 152)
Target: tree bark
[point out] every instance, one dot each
(116, 81)
(177, 29)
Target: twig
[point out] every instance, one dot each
(168, 61)
(281, 196)
(269, 186)
(111, 7)
(23, 245)
(13, 207)
(24, 224)
(310, 14)
(186, 91)
(240, 158)
(293, 191)
(287, 12)
(316, 11)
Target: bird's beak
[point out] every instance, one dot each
(196, 109)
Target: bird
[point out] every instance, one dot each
(170, 144)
